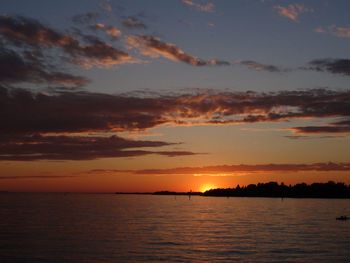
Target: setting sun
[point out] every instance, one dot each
(207, 187)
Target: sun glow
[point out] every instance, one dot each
(207, 187)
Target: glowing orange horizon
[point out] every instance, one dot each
(207, 187)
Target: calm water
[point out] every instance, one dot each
(131, 228)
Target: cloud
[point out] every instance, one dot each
(154, 47)
(231, 170)
(292, 11)
(73, 147)
(257, 66)
(24, 112)
(295, 137)
(319, 30)
(335, 127)
(37, 177)
(343, 32)
(106, 6)
(334, 66)
(16, 68)
(85, 18)
(28, 32)
(322, 129)
(132, 22)
(72, 125)
(110, 30)
(203, 8)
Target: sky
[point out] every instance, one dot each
(178, 95)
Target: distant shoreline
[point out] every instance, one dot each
(160, 193)
(204, 195)
(329, 190)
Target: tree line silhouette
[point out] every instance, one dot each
(273, 189)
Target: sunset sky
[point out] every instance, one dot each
(179, 95)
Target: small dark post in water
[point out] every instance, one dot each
(189, 194)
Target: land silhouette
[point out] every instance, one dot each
(272, 189)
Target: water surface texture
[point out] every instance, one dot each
(145, 228)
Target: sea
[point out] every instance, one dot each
(56, 227)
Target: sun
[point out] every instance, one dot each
(207, 187)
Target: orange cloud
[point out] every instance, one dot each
(203, 8)
(292, 11)
(110, 30)
(343, 32)
(154, 47)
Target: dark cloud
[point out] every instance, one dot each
(36, 177)
(342, 126)
(295, 137)
(176, 153)
(25, 112)
(70, 147)
(258, 66)
(154, 47)
(67, 124)
(132, 22)
(15, 68)
(331, 128)
(229, 170)
(334, 66)
(29, 32)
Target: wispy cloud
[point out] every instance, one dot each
(110, 30)
(338, 127)
(154, 47)
(106, 6)
(20, 177)
(29, 68)
(231, 170)
(29, 33)
(258, 66)
(343, 32)
(70, 147)
(209, 7)
(133, 22)
(292, 11)
(334, 66)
